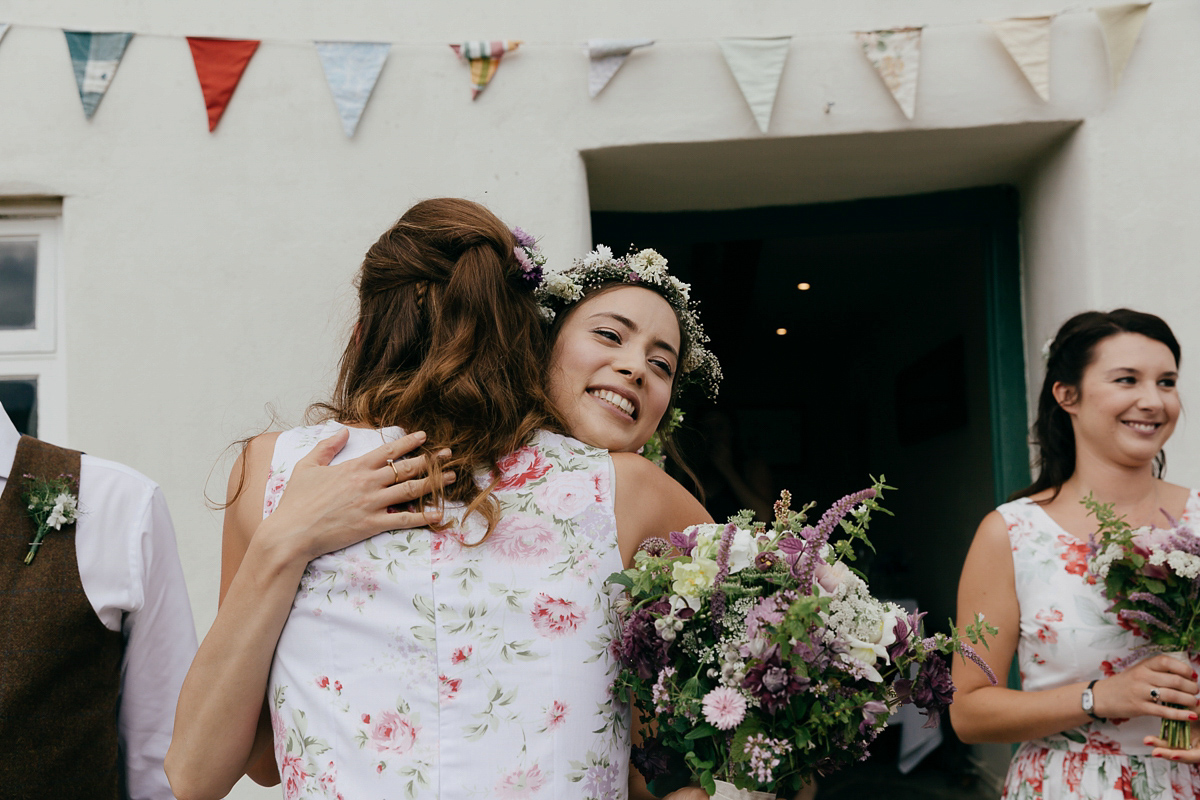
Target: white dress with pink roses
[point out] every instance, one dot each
(1067, 636)
(412, 666)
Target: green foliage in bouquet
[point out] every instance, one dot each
(756, 655)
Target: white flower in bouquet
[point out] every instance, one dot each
(693, 581)
(742, 549)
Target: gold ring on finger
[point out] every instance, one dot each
(394, 472)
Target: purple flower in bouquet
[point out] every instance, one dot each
(772, 682)
(871, 711)
(933, 690)
(686, 542)
(655, 546)
(718, 596)
(906, 628)
(651, 758)
(766, 561)
(639, 647)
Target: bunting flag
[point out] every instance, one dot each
(484, 58)
(94, 57)
(351, 69)
(607, 56)
(1027, 40)
(1121, 25)
(757, 65)
(219, 66)
(4, 26)
(896, 56)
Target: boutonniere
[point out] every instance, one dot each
(52, 503)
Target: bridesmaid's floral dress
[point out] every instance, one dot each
(1067, 636)
(416, 665)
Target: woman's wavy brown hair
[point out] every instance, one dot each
(447, 342)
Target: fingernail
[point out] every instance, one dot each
(449, 477)
(420, 436)
(1174, 758)
(444, 453)
(1193, 717)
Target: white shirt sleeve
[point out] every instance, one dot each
(129, 567)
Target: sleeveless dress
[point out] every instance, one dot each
(1067, 636)
(412, 666)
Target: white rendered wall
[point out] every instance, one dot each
(207, 275)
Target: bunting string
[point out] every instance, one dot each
(352, 69)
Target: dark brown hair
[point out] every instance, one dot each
(1071, 352)
(449, 342)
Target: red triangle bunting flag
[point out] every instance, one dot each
(219, 66)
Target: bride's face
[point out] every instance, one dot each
(613, 367)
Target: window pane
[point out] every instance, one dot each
(18, 281)
(19, 398)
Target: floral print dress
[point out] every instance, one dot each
(1067, 636)
(413, 665)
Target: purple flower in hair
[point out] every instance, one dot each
(524, 239)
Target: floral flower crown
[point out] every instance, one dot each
(560, 290)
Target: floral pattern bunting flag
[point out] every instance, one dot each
(1027, 40)
(484, 58)
(757, 65)
(606, 57)
(219, 66)
(1121, 25)
(94, 57)
(896, 55)
(351, 69)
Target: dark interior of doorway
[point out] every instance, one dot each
(863, 338)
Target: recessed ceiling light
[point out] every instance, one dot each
(781, 331)
(804, 287)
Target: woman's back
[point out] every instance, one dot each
(412, 666)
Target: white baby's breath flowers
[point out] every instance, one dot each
(1184, 564)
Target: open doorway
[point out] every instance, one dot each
(861, 338)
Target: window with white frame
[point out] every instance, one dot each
(32, 370)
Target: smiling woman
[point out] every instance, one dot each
(615, 360)
(1090, 705)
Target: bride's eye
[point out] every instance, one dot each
(664, 366)
(608, 334)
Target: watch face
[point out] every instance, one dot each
(1087, 701)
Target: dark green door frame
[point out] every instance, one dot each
(994, 209)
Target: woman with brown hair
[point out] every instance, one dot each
(467, 657)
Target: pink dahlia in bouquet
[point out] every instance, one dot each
(757, 658)
(1152, 578)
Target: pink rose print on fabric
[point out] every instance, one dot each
(1099, 743)
(520, 783)
(443, 546)
(521, 539)
(521, 467)
(393, 733)
(555, 714)
(567, 495)
(360, 574)
(1075, 553)
(554, 618)
(323, 682)
(328, 778)
(1046, 632)
(601, 484)
(448, 688)
(278, 735)
(293, 776)
(461, 654)
(275, 486)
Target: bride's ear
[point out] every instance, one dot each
(1065, 395)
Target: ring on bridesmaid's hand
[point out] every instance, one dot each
(397, 474)
(1154, 695)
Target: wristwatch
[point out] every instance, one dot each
(1089, 702)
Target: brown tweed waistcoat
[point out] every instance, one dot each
(60, 668)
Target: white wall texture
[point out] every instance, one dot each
(207, 275)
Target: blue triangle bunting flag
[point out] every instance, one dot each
(95, 57)
(351, 69)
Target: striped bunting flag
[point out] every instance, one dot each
(94, 57)
(484, 58)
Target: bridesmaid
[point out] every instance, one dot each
(1107, 406)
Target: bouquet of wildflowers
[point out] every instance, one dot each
(1152, 578)
(762, 659)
